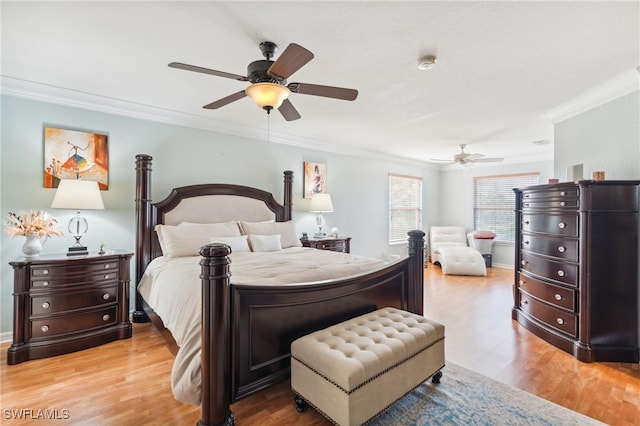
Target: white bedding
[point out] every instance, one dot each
(172, 287)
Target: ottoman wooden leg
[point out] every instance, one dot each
(301, 404)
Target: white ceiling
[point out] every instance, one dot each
(501, 66)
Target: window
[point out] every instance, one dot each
(494, 203)
(405, 206)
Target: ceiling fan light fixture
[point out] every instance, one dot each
(268, 95)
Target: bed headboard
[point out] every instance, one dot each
(205, 203)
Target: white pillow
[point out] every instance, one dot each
(286, 230)
(265, 242)
(237, 244)
(186, 239)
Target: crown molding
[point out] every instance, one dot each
(618, 86)
(25, 89)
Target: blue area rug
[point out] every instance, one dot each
(467, 398)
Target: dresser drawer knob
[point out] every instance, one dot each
(562, 249)
(106, 277)
(525, 302)
(563, 193)
(44, 328)
(45, 305)
(561, 273)
(45, 284)
(560, 321)
(562, 203)
(562, 225)
(557, 296)
(45, 272)
(106, 266)
(526, 222)
(527, 196)
(527, 204)
(106, 296)
(523, 262)
(526, 242)
(522, 282)
(106, 317)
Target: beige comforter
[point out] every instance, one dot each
(172, 287)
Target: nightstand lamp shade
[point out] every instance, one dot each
(77, 194)
(321, 203)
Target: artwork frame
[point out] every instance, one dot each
(75, 154)
(315, 179)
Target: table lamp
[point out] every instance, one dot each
(78, 194)
(321, 203)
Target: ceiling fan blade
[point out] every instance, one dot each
(291, 60)
(473, 157)
(489, 160)
(324, 91)
(187, 67)
(226, 100)
(288, 111)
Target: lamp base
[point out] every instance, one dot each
(77, 251)
(319, 235)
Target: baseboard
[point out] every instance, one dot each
(7, 336)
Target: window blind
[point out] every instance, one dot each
(494, 203)
(405, 206)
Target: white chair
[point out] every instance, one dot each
(448, 245)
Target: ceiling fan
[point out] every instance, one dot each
(269, 88)
(464, 158)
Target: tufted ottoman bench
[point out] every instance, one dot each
(354, 370)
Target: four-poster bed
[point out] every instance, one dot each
(247, 329)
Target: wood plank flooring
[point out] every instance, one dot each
(127, 382)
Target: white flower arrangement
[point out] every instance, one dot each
(38, 223)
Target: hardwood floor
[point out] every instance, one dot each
(127, 382)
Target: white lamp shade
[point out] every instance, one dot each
(267, 95)
(78, 194)
(321, 203)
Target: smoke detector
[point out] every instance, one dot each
(426, 63)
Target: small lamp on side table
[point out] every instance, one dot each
(78, 194)
(321, 203)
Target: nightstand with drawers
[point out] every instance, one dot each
(64, 304)
(340, 244)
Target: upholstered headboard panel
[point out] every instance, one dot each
(219, 208)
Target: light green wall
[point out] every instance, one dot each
(184, 156)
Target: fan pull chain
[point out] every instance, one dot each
(268, 128)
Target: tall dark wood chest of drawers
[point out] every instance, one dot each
(576, 272)
(64, 304)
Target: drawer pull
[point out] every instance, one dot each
(526, 222)
(106, 317)
(527, 196)
(563, 193)
(45, 305)
(106, 277)
(562, 249)
(527, 204)
(526, 242)
(45, 284)
(523, 262)
(106, 296)
(557, 296)
(106, 266)
(561, 273)
(562, 225)
(562, 203)
(44, 328)
(560, 321)
(522, 282)
(45, 272)
(525, 302)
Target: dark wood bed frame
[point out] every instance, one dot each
(247, 330)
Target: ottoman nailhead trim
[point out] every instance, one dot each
(348, 392)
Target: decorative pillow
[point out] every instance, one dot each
(286, 230)
(237, 244)
(265, 242)
(186, 239)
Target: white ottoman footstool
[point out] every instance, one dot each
(354, 370)
(462, 260)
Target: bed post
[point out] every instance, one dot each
(143, 223)
(288, 194)
(416, 272)
(216, 336)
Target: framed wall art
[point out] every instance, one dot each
(72, 154)
(315, 178)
